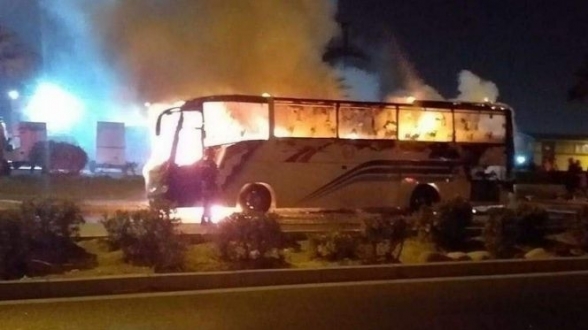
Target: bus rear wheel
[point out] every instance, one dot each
(256, 198)
(423, 195)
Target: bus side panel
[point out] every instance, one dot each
(329, 173)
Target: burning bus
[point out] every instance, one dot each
(274, 152)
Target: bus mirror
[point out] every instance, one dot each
(158, 126)
(158, 123)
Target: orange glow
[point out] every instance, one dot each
(281, 132)
(188, 151)
(194, 214)
(427, 122)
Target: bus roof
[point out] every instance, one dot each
(481, 106)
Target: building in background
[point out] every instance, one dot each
(556, 149)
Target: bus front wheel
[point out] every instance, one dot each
(255, 197)
(423, 195)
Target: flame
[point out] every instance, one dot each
(427, 122)
(188, 153)
(194, 214)
(281, 132)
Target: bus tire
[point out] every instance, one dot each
(255, 197)
(423, 195)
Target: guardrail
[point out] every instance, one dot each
(61, 288)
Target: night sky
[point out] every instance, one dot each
(530, 49)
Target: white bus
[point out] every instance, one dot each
(277, 152)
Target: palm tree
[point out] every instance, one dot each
(16, 62)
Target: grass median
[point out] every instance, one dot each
(77, 188)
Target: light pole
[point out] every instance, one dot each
(13, 96)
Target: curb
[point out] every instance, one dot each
(96, 286)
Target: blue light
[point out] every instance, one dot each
(13, 94)
(57, 107)
(520, 159)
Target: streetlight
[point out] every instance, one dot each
(13, 94)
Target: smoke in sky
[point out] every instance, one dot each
(471, 88)
(358, 84)
(475, 89)
(183, 49)
(116, 55)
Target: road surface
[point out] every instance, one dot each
(543, 301)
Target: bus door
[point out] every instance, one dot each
(184, 173)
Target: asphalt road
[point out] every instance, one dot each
(544, 301)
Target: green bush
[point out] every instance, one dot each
(531, 221)
(445, 225)
(422, 222)
(52, 226)
(251, 240)
(383, 239)
(500, 233)
(334, 246)
(580, 230)
(451, 222)
(58, 156)
(507, 229)
(39, 238)
(147, 237)
(14, 245)
(49, 219)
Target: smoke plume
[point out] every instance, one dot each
(475, 89)
(186, 48)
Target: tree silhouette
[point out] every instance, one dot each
(17, 63)
(579, 91)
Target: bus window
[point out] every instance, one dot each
(367, 122)
(305, 120)
(479, 127)
(417, 124)
(230, 122)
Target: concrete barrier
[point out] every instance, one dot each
(58, 288)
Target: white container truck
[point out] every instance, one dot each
(111, 149)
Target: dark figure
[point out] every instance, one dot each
(208, 185)
(572, 177)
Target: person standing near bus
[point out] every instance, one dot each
(208, 185)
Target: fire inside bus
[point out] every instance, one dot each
(260, 153)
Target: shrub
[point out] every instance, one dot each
(500, 233)
(445, 225)
(119, 229)
(530, 222)
(451, 222)
(423, 222)
(14, 249)
(383, 237)
(52, 225)
(52, 218)
(251, 240)
(507, 228)
(147, 237)
(334, 246)
(39, 238)
(580, 231)
(58, 156)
